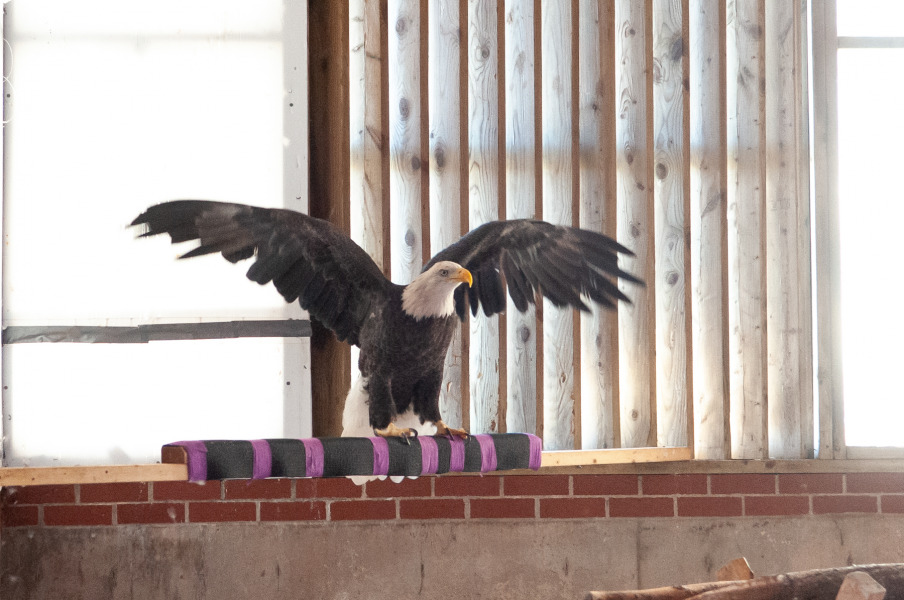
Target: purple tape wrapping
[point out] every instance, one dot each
(263, 459)
(429, 455)
(381, 455)
(313, 457)
(457, 459)
(487, 452)
(536, 452)
(197, 459)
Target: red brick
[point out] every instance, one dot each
(468, 486)
(19, 516)
(405, 488)
(214, 512)
(333, 487)
(810, 483)
(302, 510)
(865, 483)
(641, 507)
(113, 492)
(252, 489)
(743, 483)
(670, 485)
(708, 506)
(536, 485)
(760, 506)
(72, 514)
(502, 508)
(606, 485)
(362, 510)
(844, 504)
(434, 508)
(39, 494)
(144, 513)
(572, 508)
(186, 490)
(892, 504)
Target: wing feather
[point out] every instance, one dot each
(306, 258)
(564, 264)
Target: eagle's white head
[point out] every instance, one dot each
(431, 292)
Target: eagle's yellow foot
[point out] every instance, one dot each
(392, 430)
(443, 429)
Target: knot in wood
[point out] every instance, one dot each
(524, 333)
(404, 108)
(677, 49)
(671, 277)
(440, 156)
(662, 171)
(410, 238)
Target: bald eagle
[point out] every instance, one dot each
(403, 331)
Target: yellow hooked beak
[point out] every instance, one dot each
(464, 276)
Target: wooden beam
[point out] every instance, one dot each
(10, 476)
(330, 190)
(613, 456)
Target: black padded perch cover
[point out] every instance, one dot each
(339, 457)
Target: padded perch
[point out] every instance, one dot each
(340, 457)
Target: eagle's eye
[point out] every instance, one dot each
(444, 272)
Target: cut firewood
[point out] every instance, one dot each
(674, 592)
(735, 570)
(815, 584)
(860, 586)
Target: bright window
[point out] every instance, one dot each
(871, 206)
(112, 106)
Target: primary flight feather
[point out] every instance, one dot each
(403, 331)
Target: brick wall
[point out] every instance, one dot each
(525, 497)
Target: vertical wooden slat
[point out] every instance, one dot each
(445, 161)
(599, 329)
(520, 198)
(802, 178)
(787, 272)
(635, 224)
(367, 131)
(329, 142)
(483, 190)
(669, 216)
(708, 229)
(745, 101)
(405, 139)
(558, 350)
(828, 274)
(297, 411)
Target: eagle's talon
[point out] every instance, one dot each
(444, 430)
(393, 430)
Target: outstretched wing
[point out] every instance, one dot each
(306, 258)
(562, 263)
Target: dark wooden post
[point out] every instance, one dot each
(328, 55)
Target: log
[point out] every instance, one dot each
(673, 592)
(860, 586)
(818, 583)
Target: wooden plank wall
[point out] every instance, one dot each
(678, 127)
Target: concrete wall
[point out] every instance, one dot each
(343, 554)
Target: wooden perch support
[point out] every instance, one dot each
(815, 584)
(735, 570)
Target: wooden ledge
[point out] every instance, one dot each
(10, 476)
(638, 461)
